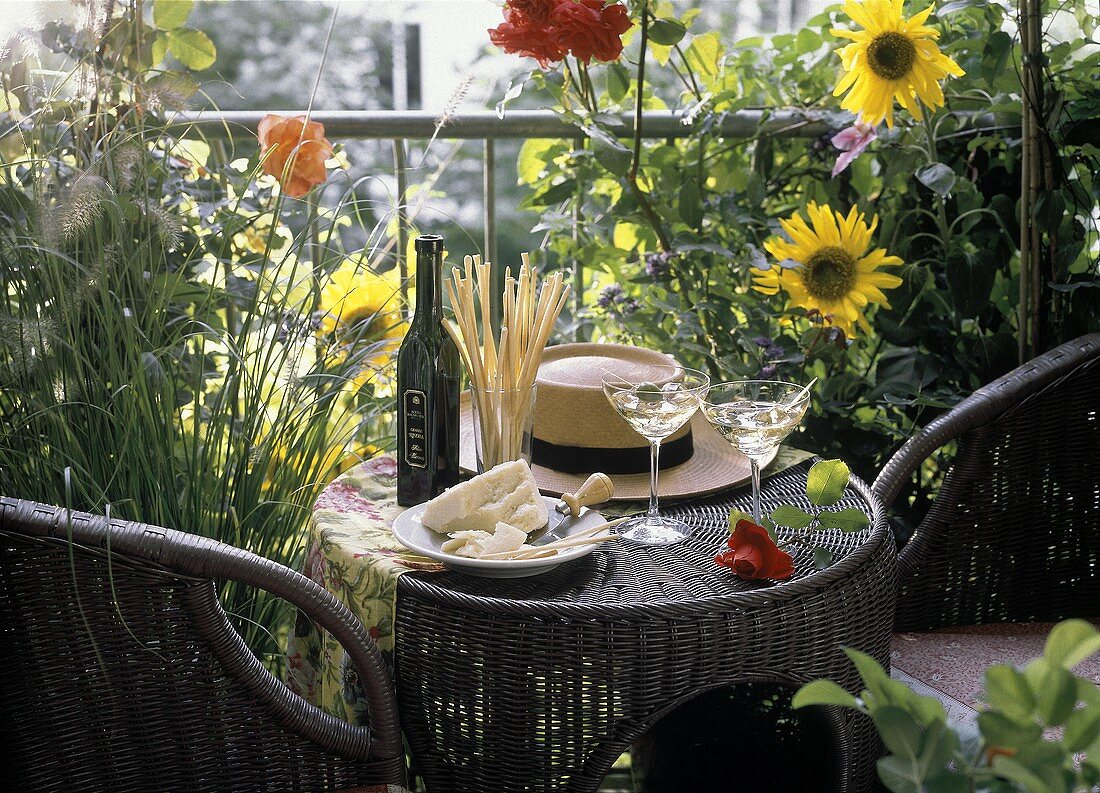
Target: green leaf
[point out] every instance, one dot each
(999, 730)
(948, 782)
(847, 520)
(998, 47)
(898, 730)
(554, 193)
(1011, 769)
(609, 151)
(807, 40)
(192, 48)
(823, 557)
(1049, 209)
(954, 6)
(823, 692)
(690, 204)
(900, 774)
(666, 31)
(938, 178)
(885, 690)
(791, 516)
(1009, 692)
(1082, 728)
(937, 747)
(703, 54)
(1055, 698)
(618, 81)
(171, 14)
(159, 50)
(1071, 642)
(534, 155)
(736, 516)
(826, 482)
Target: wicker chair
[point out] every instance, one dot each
(1013, 535)
(122, 673)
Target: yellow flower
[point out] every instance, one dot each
(891, 58)
(359, 301)
(832, 270)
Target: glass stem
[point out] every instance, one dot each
(756, 516)
(655, 453)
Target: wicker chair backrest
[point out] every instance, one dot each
(122, 673)
(1014, 531)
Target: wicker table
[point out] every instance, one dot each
(539, 684)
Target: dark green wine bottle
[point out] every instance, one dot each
(429, 375)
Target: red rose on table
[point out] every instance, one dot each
(589, 29)
(521, 33)
(303, 143)
(753, 554)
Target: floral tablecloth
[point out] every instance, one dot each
(352, 553)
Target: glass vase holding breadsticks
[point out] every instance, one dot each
(502, 356)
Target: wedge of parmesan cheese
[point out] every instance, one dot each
(504, 494)
(475, 544)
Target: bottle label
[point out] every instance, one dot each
(416, 428)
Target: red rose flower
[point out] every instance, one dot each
(754, 555)
(519, 34)
(302, 142)
(589, 29)
(535, 12)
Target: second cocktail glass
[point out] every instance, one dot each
(655, 410)
(755, 416)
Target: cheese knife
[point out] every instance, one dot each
(597, 489)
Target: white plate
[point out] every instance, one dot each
(415, 536)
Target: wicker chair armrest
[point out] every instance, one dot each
(979, 408)
(203, 558)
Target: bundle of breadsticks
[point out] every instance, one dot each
(502, 363)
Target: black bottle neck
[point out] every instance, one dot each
(429, 289)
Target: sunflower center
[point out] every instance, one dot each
(891, 55)
(830, 273)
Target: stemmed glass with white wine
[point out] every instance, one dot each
(755, 416)
(655, 410)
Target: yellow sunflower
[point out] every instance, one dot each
(832, 270)
(355, 295)
(891, 58)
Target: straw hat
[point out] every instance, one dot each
(576, 431)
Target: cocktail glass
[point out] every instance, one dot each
(755, 416)
(655, 409)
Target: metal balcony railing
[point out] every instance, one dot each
(402, 126)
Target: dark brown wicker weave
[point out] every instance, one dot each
(539, 684)
(120, 672)
(1014, 531)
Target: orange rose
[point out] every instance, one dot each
(303, 143)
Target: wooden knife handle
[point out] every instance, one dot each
(597, 489)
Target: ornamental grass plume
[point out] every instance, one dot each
(294, 150)
(830, 270)
(891, 58)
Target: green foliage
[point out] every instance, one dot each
(825, 484)
(680, 238)
(159, 343)
(190, 47)
(925, 754)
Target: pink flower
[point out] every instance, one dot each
(852, 142)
